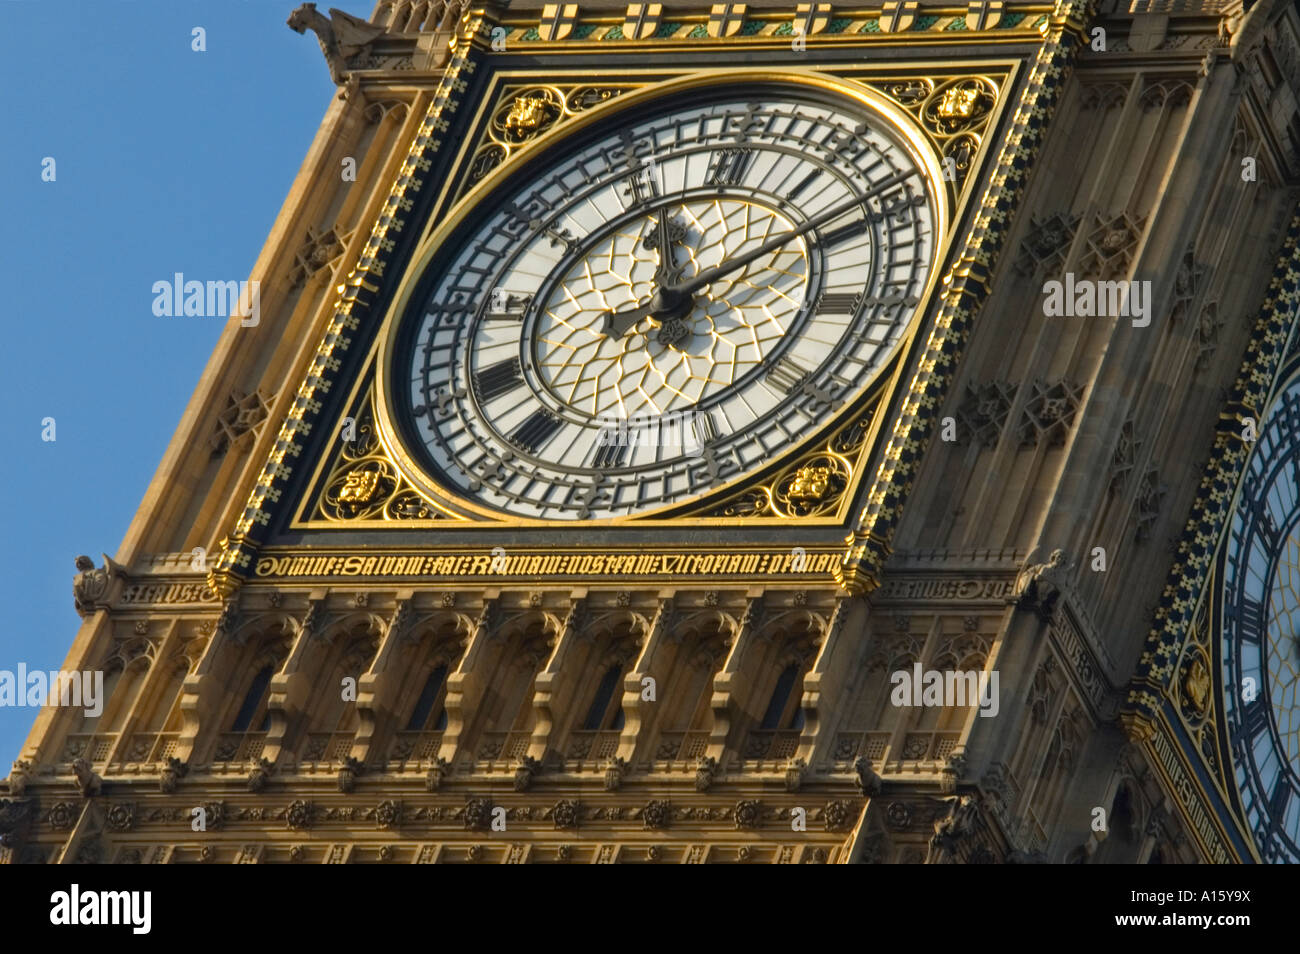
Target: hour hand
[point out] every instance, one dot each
(617, 323)
(668, 302)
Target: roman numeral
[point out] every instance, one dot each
(610, 451)
(536, 431)
(704, 427)
(804, 183)
(1256, 713)
(497, 379)
(641, 187)
(838, 303)
(786, 375)
(728, 167)
(1264, 523)
(1280, 797)
(831, 239)
(1250, 618)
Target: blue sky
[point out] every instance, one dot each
(167, 160)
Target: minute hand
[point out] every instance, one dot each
(710, 275)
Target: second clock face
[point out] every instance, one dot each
(652, 314)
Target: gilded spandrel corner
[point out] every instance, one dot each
(561, 645)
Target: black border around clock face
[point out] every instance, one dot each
(1259, 644)
(514, 369)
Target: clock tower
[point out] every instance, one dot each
(665, 439)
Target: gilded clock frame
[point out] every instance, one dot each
(845, 80)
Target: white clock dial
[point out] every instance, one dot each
(1259, 648)
(725, 273)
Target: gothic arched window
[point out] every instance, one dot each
(254, 700)
(783, 710)
(431, 698)
(606, 710)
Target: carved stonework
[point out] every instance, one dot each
(984, 412)
(839, 815)
(299, 815)
(344, 39)
(1146, 506)
(952, 829)
(1103, 96)
(1045, 247)
(869, 783)
(656, 814)
(1170, 94)
(1187, 285)
(62, 815)
(258, 776)
(527, 768)
(348, 772)
(88, 783)
(794, 774)
(1208, 326)
(1049, 413)
(615, 769)
(748, 814)
(321, 250)
(388, 814)
(16, 817)
(706, 767)
(91, 585)
(478, 814)
(440, 770)
(1040, 586)
(120, 817)
(242, 414)
(565, 814)
(1111, 246)
(1125, 457)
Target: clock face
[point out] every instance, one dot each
(665, 305)
(1260, 651)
